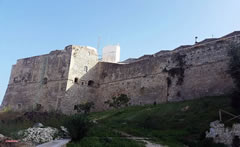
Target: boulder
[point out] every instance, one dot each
(38, 125)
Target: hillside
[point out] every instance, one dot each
(173, 124)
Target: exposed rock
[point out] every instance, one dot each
(38, 125)
(39, 135)
(64, 131)
(220, 134)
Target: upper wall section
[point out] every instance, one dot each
(206, 52)
(38, 80)
(184, 73)
(203, 49)
(53, 66)
(83, 59)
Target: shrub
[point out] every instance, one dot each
(85, 108)
(77, 125)
(117, 102)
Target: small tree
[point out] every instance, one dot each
(119, 101)
(77, 126)
(85, 108)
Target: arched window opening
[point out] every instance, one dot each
(90, 83)
(85, 68)
(76, 80)
(45, 80)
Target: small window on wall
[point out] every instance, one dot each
(19, 106)
(76, 80)
(90, 83)
(85, 68)
(45, 80)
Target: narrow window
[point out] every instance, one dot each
(85, 68)
(45, 80)
(76, 80)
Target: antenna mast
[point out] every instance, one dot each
(98, 48)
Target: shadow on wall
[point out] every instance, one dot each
(83, 90)
(106, 80)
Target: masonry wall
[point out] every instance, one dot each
(142, 81)
(83, 59)
(203, 72)
(62, 79)
(83, 78)
(38, 80)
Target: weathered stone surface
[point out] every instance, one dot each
(61, 79)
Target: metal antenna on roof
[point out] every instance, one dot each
(196, 39)
(98, 43)
(98, 48)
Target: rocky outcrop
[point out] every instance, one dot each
(39, 135)
(222, 134)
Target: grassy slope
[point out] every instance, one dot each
(99, 135)
(167, 123)
(102, 136)
(163, 123)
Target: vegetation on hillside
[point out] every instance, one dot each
(78, 126)
(173, 124)
(12, 122)
(118, 101)
(85, 107)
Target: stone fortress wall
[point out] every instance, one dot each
(75, 76)
(45, 79)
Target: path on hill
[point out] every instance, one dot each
(55, 143)
(128, 136)
(145, 140)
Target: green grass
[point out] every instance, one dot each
(102, 136)
(106, 142)
(166, 123)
